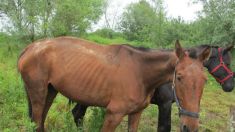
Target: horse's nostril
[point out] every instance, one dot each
(185, 128)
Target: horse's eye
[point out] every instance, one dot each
(205, 81)
(179, 79)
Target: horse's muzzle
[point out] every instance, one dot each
(228, 87)
(186, 129)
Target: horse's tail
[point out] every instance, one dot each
(29, 105)
(29, 102)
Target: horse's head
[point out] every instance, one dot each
(219, 67)
(189, 80)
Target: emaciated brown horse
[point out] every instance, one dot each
(163, 96)
(121, 78)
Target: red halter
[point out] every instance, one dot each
(225, 67)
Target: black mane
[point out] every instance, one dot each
(140, 48)
(192, 54)
(205, 45)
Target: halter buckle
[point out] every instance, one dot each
(222, 63)
(180, 108)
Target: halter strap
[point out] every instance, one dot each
(181, 111)
(225, 67)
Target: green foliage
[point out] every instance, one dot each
(189, 34)
(75, 16)
(217, 20)
(137, 17)
(13, 108)
(22, 19)
(4, 38)
(107, 33)
(96, 119)
(29, 20)
(105, 41)
(143, 22)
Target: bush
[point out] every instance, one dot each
(105, 41)
(108, 33)
(97, 119)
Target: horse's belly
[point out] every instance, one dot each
(83, 75)
(87, 84)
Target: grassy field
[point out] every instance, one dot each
(214, 113)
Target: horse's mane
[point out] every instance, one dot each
(205, 45)
(192, 54)
(216, 46)
(140, 48)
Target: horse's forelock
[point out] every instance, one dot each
(193, 53)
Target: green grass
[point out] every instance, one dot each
(214, 113)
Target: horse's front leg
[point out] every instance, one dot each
(133, 121)
(112, 121)
(164, 117)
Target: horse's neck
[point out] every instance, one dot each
(157, 68)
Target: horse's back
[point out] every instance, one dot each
(75, 66)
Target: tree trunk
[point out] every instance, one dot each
(231, 121)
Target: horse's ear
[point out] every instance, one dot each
(179, 51)
(205, 54)
(227, 48)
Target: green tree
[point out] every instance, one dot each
(218, 20)
(144, 22)
(161, 21)
(29, 20)
(74, 17)
(22, 18)
(26, 19)
(30, 17)
(111, 12)
(45, 15)
(136, 21)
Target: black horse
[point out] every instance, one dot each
(218, 65)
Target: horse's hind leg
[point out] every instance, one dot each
(78, 113)
(37, 92)
(51, 94)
